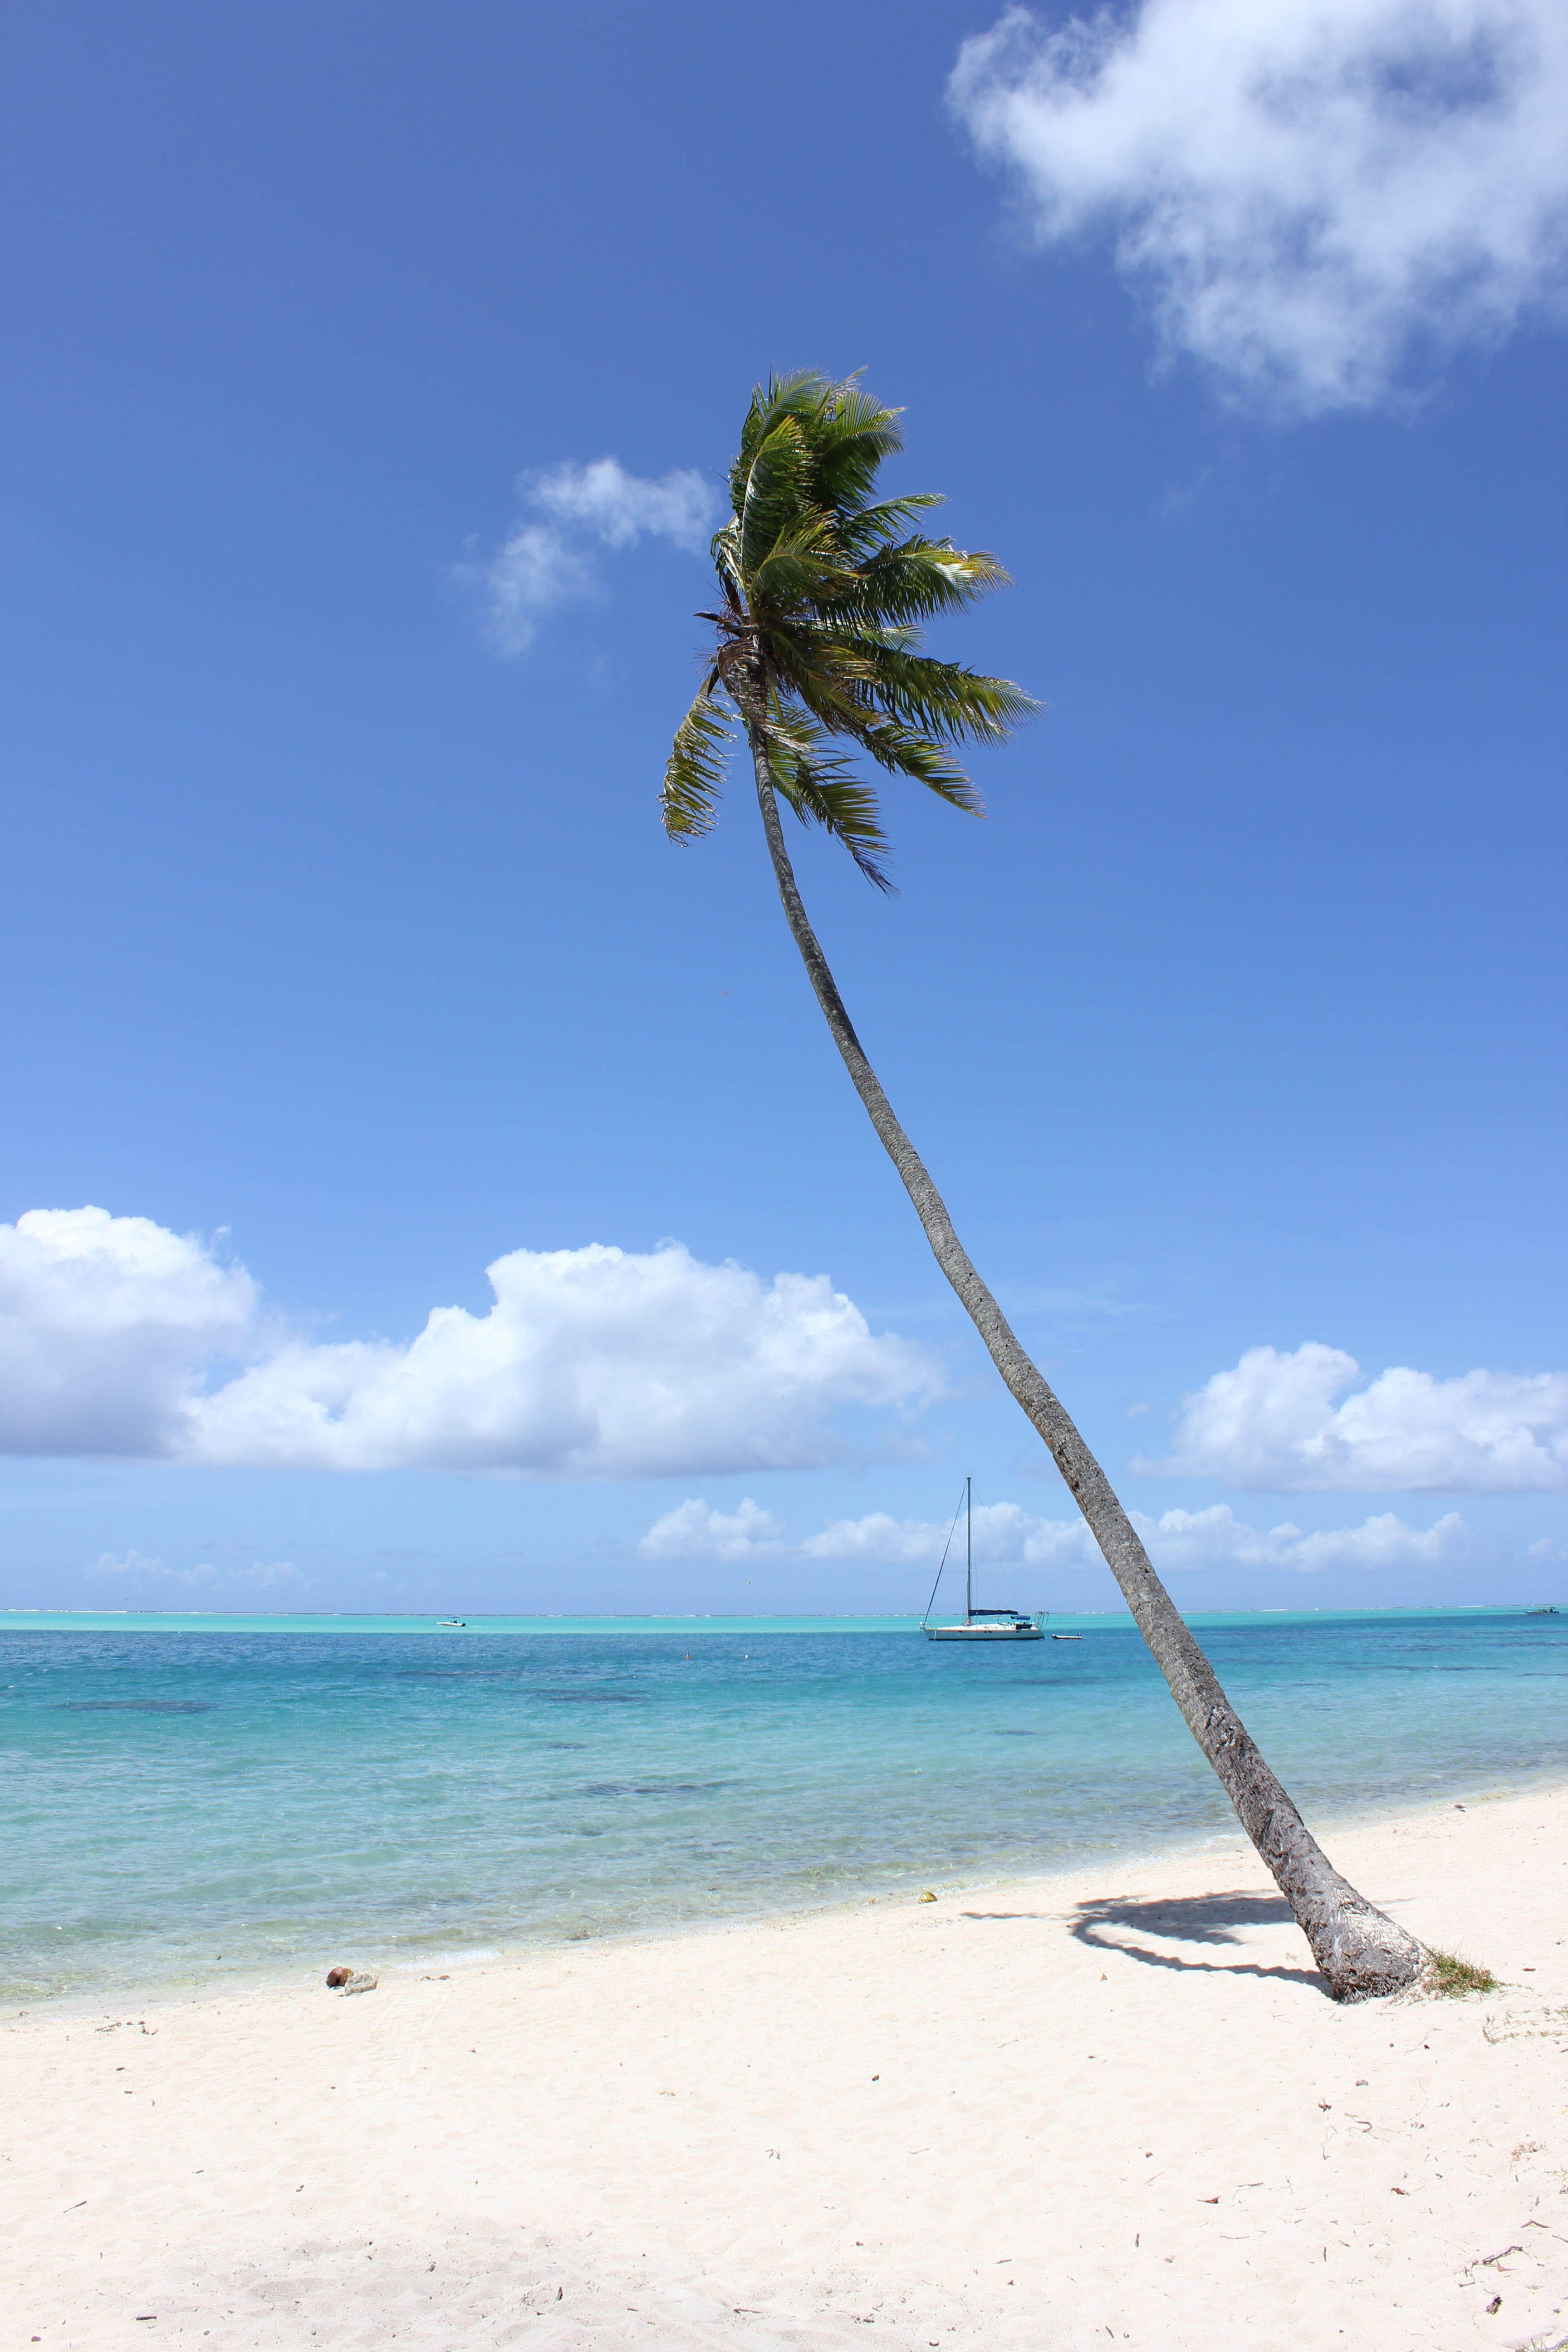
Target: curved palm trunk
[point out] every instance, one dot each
(1359, 1951)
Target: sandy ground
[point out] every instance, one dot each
(1114, 2105)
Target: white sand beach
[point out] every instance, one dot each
(1115, 2104)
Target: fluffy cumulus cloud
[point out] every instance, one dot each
(1008, 1537)
(101, 1322)
(1272, 1424)
(1217, 1539)
(1312, 193)
(549, 556)
(593, 1363)
(694, 1530)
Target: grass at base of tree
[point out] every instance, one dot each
(1447, 1976)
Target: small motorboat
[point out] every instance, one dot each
(1067, 1637)
(978, 1624)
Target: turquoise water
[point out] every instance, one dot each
(193, 1799)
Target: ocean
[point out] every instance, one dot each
(193, 1802)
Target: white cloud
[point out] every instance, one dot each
(535, 570)
(1004, 1536)
(1272, 1424)
(619, 507)
(1216, 1538)
(694, 1530)
(135, 1565)
(542, 564)
(1008, 1537)
(137, 1571)
(877, 1539)
(101, 1319)
(593, 1363)
(1312, 194)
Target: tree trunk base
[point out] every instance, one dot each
(1364, 1955)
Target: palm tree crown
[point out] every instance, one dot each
(825, 590)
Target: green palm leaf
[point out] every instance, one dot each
(694, 773)
(776, 493)
(817, 781)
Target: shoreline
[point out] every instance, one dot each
(1115, 2098)
(400, 1961)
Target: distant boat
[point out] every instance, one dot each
(460, 1622)
(978, 1624)
(1067, 1637)
(1550, 1610)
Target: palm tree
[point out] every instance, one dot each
(818, 655)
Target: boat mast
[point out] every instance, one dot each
(968, 1552)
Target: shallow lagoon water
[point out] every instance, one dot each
(191, 1800)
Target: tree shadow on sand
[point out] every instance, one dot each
(1117, 1925)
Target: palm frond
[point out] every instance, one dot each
(694, 772)
(775, 493)
(797, 397)
(944, 698)
(855, 434)
(817, 783)
(922, 576)
(900, 749)
(849, 432)
(846, 808)
(724, 547)
(837, 703)
(804, 567)
(906, 751)
(863, 528)
(833, 679)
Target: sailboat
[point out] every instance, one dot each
(979, 1624)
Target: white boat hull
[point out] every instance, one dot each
(1020, 1633)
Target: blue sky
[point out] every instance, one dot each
(343, 946)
